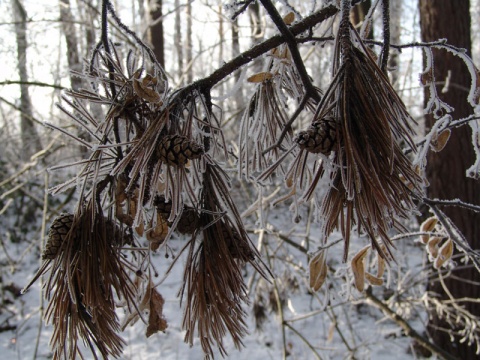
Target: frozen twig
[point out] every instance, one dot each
(409, 331)
(311, 91)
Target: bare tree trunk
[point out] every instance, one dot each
(395, 32)
(446, 170)
(189, 44)
(156, 37)
(30, 139)
(178, 41)
(68, 29)
(235, 51)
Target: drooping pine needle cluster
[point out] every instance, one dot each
(154, 168)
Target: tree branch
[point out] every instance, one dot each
(33, 83)
(292, 46)
(208, 82)
(409, 331)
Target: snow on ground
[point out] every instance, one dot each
(348, 328)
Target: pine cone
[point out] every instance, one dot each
(320, 137)
(178, 149)
(56, 235)
(238, 246)
(189, 218)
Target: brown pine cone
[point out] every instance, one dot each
(178, 149)
(189, 218)
(238, 246)
(56, 235)
(320, 137)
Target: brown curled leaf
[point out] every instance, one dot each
(432, 246)
(380, 266)
(374, 280)
(144, 91)
(157, 234)
(444, 254)
(427, 226)
(156, 320)
(318, 270)
(289, 18)
(260, 77)
(439, 142)
(358, 268)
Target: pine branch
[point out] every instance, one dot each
(292, 45)
(205, 84)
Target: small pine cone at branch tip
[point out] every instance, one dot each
(178, 149)
(56, 235)
(320, 137)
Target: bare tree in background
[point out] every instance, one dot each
(156, 37)
(30, 140)
(178, 41)
(189, 43)
(68, 29)
(446, 170)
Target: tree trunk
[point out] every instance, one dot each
(156, 31)
(178, 42)
(446, 170)
(68, 29)
(189, 44)
(30, 140)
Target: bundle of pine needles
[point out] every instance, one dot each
(363, 122)
(87, 276)
(213, 282)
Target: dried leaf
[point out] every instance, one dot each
(444, 254)
(156, 321)
(374, 280)
(318, 270)
(144, 91)
(432, 246)
(427, 226)
(380, 266)
(289, 18)
(439, 142)
(260, 77)
(358, 268)
(157, 234)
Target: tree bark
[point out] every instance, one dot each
(156, 31)
(446, 170)
(178, 42)
(30, 140)
(68, 29)
(189, 44)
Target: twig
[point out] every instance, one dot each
(251, 54)
(288, 125)
(455, 234)
(409, 331)
(459, 203)
(33, 83)
(42, 236)
(292, 45)
(241, 9)
(317, 355)
(279, 306)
